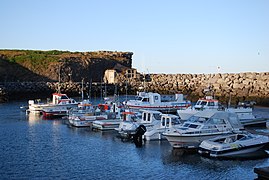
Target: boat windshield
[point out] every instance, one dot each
(211, 104)
(175, 121)
(157, 116)
(242, 137)
(216, 121)
(186, 125)
(145, 100)
(201, 102)
(64, 97)
(197, 119)
(139, 98)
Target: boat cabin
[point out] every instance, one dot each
(211, 122)
(155, 98)
(129, 116)
(58, 98)
(169, 120)
(149, 116)
(207, 103)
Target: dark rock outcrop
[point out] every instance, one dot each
(36, 66)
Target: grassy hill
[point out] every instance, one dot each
(35, 65)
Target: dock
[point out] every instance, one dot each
(255, 122)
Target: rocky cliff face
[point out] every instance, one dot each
(36, 66)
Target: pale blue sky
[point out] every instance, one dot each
(172, 36)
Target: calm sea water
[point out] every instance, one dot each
(32, 148)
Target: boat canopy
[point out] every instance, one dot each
(232, 118)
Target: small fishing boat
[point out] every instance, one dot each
(127, 128)
(207, 103)
(244, 113)
(58, 100)
(157, 102)
(238, 145)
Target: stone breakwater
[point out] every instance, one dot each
(237, 86)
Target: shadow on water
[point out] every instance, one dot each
(191, 164)
(192, 157)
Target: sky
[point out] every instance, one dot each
(171, 36)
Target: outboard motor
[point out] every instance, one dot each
(139, 132)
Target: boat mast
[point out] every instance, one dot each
(101, 90)
(59, 79)
(105, 94)
(82, 88)
(126, 86)
(90, 89)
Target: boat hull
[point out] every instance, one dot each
(54, 114)
(79, 123)
(155, 134)
(166, 108)
(188, 141)
(238, 152)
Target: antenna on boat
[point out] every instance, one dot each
(101, 90)
(126, 87)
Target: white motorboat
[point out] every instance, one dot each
(201, 126)
(155, 101)
(207, 103)
(155, 132)
(236, 145)
(127, 128)
(128, 118)
(245, 114)
(58, 100)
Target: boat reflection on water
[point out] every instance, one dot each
(183, 151)
(33, 118)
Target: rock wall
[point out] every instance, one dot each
(234, 86)
(238, 86)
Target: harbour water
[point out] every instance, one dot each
(32, 148)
